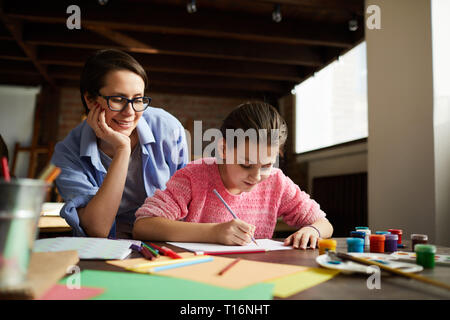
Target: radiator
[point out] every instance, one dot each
(344, 199)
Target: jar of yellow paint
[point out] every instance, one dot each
(326, 244)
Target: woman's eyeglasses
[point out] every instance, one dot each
(118, 103)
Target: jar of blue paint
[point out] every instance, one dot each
(355, 244)
(358, 234)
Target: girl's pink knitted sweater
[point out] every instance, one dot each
(189, 197)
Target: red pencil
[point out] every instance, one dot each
(6, 169)
(216, 253)
(228, 267)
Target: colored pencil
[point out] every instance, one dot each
(5, 169)
(147, 254)
(46, 171)
(180, 264)
(218, 253)
(228, 267)
(153, 251)
(146, 265)
(53, 175)
(229, 209)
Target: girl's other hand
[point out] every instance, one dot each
(302, 237)
(234, 232)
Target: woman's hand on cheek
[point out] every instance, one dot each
(96, 119)
(301, 238)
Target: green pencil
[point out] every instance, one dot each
(153, 251)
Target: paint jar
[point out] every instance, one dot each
(367, 231)
(358, 234)
(377, 243)
(355, 245)
(418, 239)
(390, 242)
(326, 244)
(382, 232)
(398, 232)
(425, 255)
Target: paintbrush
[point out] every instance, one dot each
(343, 256)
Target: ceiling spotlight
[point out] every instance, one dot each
(276, 14)
(191, 7)
(353, 24)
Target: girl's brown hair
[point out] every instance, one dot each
(102, 62)
(256, 115)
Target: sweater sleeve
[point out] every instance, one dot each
(297, 208)
(172, 203)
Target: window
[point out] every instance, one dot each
(332, 105)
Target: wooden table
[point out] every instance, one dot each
(342, 286)
(51, 224)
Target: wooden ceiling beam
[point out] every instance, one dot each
(152, 43)
(214, 92)
(15, 28)
(185, 65)
(185, 80)
(175, 20)
(9, 50)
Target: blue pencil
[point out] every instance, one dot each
(181, 264)
(229, 209)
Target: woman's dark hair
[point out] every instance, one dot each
(102, 62)
(256, 115)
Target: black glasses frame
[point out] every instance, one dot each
(128, 101)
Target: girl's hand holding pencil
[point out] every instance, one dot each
(234, 232)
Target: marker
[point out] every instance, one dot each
(6, 169)
(229, 209)
(166, 251)
(170, 253)
(228, 267)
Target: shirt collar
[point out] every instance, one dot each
(144, 131)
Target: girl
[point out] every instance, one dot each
(258, 193)
(120, 154)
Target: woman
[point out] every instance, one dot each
(122, 152)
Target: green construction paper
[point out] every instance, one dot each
(136, 286)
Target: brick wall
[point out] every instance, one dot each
(210, 110)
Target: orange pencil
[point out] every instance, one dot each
(228, 267)
(53, 174)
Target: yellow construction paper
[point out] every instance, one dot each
(291, 284)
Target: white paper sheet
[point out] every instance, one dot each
(266, 244)
(88, 248)
(51, 209)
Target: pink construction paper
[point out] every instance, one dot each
(61, 292)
